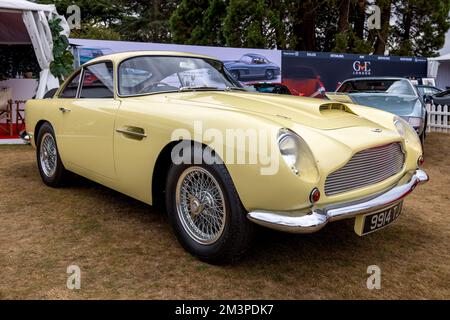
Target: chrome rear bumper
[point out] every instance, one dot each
(319, 217)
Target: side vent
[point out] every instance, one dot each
(335, 107)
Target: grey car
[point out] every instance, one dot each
(395, 95)
(252, 66)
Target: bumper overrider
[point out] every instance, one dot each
(317, 218)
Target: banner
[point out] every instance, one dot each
(311, 73)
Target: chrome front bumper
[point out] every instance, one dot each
(319, 217)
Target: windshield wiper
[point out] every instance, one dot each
(193, 88)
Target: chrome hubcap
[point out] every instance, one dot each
(200, 205)
(48, 155)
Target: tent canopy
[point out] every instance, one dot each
(27, 22)
(22, 5)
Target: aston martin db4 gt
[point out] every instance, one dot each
(156, 126)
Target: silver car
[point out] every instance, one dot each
(395, 95)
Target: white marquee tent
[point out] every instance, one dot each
(439, 68)
(23, 22)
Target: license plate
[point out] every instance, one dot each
(371, 222)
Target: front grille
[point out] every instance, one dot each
(365, 168)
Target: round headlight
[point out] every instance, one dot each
(297, 155)
(289, 149)
(406, 131)
(400, 126)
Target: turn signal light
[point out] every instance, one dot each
(315, 195)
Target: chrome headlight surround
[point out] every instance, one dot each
(297, 155)
(406, 130)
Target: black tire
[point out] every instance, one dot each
(235, 74)
(270, 74)
(58, 176)
(237, 232)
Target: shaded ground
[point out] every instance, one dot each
(125, 249)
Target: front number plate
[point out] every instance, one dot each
(371, 222)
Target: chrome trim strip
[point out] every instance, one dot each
(132, 133)
(317, 218)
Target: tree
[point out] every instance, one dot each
(198, 22)
(255, 24)
(98, 18)
(408, 27)
(380, 37)
(421, 27)
(147, 20)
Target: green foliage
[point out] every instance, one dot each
(146, 20)
(254, 24)
(98, 33)
(62, 64)
(198, 22)
(348, 42)
(419, 26)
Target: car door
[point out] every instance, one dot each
(87, 123)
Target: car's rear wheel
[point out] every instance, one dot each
(51, 169)
(206, 213)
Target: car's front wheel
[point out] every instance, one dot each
(49, 162)
(206, 213)
(235, 74)
(270, 74)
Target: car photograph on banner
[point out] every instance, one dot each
(253, 66)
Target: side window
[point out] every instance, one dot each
(70, 91)
(97, 81)
(246, 59)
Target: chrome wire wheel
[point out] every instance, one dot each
(48, 155)
(200, 205)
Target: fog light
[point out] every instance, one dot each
(315, 195)
(420, 161)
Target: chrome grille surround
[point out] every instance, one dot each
(365, 168)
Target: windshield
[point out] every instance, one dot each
(152, 74)
(389, 86)
(399, 104)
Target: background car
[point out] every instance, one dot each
(272, 87)
(252, 66)
(427, 92)
(395, 95)
(304, 79)
(441, 98)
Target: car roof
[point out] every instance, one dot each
(256, 55)
(376, 78)
(117, 57)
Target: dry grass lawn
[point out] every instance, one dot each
(126, 250)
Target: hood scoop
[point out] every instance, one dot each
(333, 107)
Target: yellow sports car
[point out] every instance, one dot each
(176, 129)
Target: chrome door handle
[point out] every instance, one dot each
(141, 135)
(64, 110)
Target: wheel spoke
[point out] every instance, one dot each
(48, 155)
(201, 205)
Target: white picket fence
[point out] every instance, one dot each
(438, 118)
